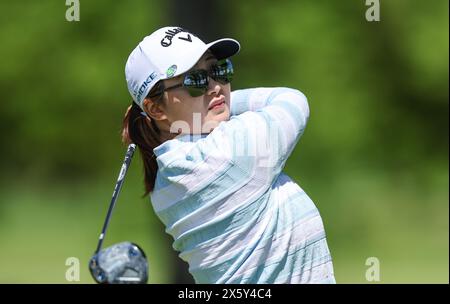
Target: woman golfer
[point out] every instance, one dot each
(213, 163)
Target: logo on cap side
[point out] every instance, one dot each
(144, 85)
(171, 71)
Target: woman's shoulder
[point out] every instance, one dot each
(185, 154)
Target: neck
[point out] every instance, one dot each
(166, 135)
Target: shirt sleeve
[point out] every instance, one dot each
(249, 100)
(264, 128)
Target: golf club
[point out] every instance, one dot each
(123, 262)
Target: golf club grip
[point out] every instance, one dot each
(122, 173)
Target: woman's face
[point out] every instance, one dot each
(182, 112)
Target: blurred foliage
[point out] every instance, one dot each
(374, 157)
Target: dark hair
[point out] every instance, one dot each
(143, 131)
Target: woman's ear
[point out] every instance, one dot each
(154, 110)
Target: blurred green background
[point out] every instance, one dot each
(374, 157)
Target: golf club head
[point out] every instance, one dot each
(122, 263)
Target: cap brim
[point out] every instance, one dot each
(221, 49)
(224, 48)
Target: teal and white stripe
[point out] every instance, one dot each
(234, 216)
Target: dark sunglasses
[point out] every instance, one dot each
(196, 81)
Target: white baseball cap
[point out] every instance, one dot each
(167, 53)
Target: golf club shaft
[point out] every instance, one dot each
(123, 171)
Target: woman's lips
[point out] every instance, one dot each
(218, 103)
(218, 106)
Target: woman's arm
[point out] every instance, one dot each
(252, 99)
(241, 101)
(266, 125)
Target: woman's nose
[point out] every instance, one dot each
(214, 87)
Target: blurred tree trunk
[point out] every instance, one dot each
(207, 20)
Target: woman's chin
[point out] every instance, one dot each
(221, 115)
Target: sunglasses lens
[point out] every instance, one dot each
(196, 83)
(196, 92)
(223, 71)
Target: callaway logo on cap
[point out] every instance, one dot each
(166, 53)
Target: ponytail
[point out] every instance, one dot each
(143, 131)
